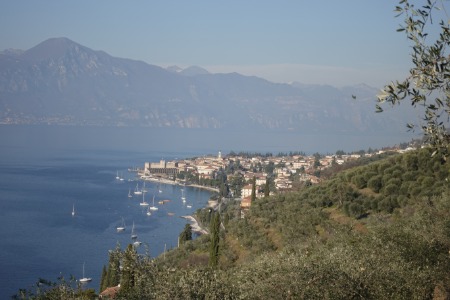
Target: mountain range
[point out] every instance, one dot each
(62, 82)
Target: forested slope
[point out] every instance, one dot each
(377, 231)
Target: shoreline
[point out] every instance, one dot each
(168, 181)
(194, 225)
(196, 228)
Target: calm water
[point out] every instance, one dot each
(40, 238)
(44, 171)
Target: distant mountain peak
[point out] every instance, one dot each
(53, 48)
(194, 71)
(189, 71)
(175, 69)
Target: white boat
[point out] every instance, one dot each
(153, 207)
(121, 227)
(137, 191)
(144, 190)
(137, 243)
(85, 279)
(73, 210)
(133, 234)
(183, 198)
(149, 212)
(143, 203)
(129, 194)
(189, 206)
(117, 175)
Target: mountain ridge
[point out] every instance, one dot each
(62, 82)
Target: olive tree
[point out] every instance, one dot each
(428, 82)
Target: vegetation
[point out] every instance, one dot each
(378, 229)
(430, 74)
(186, 234)
(353, 236)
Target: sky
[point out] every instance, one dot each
(313, 42)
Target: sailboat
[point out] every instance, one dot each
(129, 194)
(73, 210)
(149, 212)
(133, 234)
(121, 227)
(143, 203)
(85, 279)
(183, 198)
(159, 189)
(144, 190)
(153, 207)
(136, 190)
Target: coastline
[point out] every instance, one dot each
(168, 181)
(196, 228)
(194, 225)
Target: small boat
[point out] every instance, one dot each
(171, 214)
(117, 175)
(144, 190)
(73, 210)
(129, 194)
(137, 243)
(161, 202)
(149, 212)
(153, 207)
(189, 206)
(85, 279)
(183, 198)
(137, 191)
(121, 227)
(143, 203)
(133, 234)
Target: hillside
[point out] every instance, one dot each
(61, 82)
(353, 236)
(376, 231)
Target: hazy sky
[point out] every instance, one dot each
(324, 42)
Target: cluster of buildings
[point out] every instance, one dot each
(282, 171)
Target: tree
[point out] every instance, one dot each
(113, 270)
(267, 188)
(430, 75)
(104, 278)
(130, 263)
(253, 189)
(214, 240)
(186, 234)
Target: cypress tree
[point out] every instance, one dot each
(254, 189)
(214, 240)
(104, 279)
(113, 271)
(127, 280)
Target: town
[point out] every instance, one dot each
(247, 176)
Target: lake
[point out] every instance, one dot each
(46, 170)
